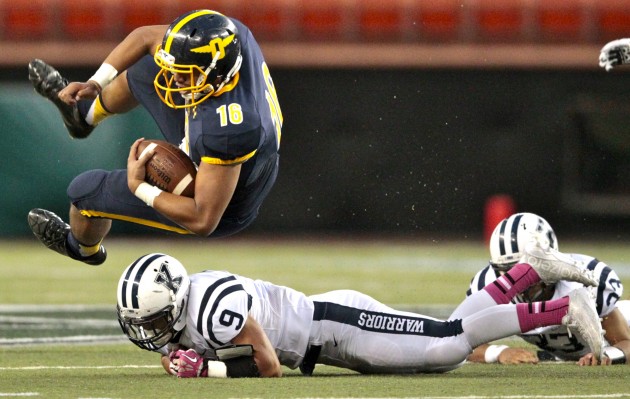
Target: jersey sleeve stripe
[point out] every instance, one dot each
(206, 298)
(601, 288)
(215, 305)
(235, 161)
(212, 297)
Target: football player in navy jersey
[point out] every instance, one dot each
(219, 324)
(507, 244)
(205, 82)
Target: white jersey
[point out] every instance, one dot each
(341, 328)
(219, 303)
(556, 339)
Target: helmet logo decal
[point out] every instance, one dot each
(216, 45)
(165, 278)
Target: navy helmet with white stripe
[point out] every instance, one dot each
(152, 298)
(510, 236)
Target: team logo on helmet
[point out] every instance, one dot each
(216, 45)
(165, 278)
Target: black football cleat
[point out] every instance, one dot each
(53, 233)
(48, 82)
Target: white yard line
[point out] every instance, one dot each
(76, 339)
(125, 366)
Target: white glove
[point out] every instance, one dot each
(615, 53)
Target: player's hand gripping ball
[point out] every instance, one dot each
(170, 169)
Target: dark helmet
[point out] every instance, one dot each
(205, 47)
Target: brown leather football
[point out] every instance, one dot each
(169, 168)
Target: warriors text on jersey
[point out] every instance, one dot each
(349, 329)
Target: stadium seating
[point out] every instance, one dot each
(536, 21)
(612, 18)
(26, 20)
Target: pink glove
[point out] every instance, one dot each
(187, 364)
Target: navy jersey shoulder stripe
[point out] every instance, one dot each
(215, 305)
(206, 298)
(205, 302)
(601, 287)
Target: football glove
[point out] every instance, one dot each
(615, 53)
(188, 364)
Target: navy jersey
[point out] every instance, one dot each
(240, 124)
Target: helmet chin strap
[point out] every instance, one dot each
(211, 89)
(201, 78)
(233, 71)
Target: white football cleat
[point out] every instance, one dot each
(583, 319)
(553, 266)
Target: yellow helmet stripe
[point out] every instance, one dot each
(180, 24)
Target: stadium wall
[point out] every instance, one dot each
(396, 151)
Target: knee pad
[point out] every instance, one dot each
(86, 184)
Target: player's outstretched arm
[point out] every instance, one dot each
(502, 354)
(615, 53)
(140, 42)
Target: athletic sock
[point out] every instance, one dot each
(541, 314)
(516, 280)
(95, 113)
(81, 250)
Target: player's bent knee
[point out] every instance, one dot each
(86, 184)
(446, 357)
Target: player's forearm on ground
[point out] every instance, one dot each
(140, 42)
(624, 346)
(166, 362)
(478, 354)
(617, 331)
(264, 353)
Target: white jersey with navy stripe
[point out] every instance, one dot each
(556, 339)
(220, 302)
(349, 329)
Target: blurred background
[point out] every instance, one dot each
(401, 117)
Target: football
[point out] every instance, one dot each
(170, 169)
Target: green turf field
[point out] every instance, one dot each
(59, 337)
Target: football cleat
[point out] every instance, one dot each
(48, 82)
(553, 266)
(582, 318)
(53, 233)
